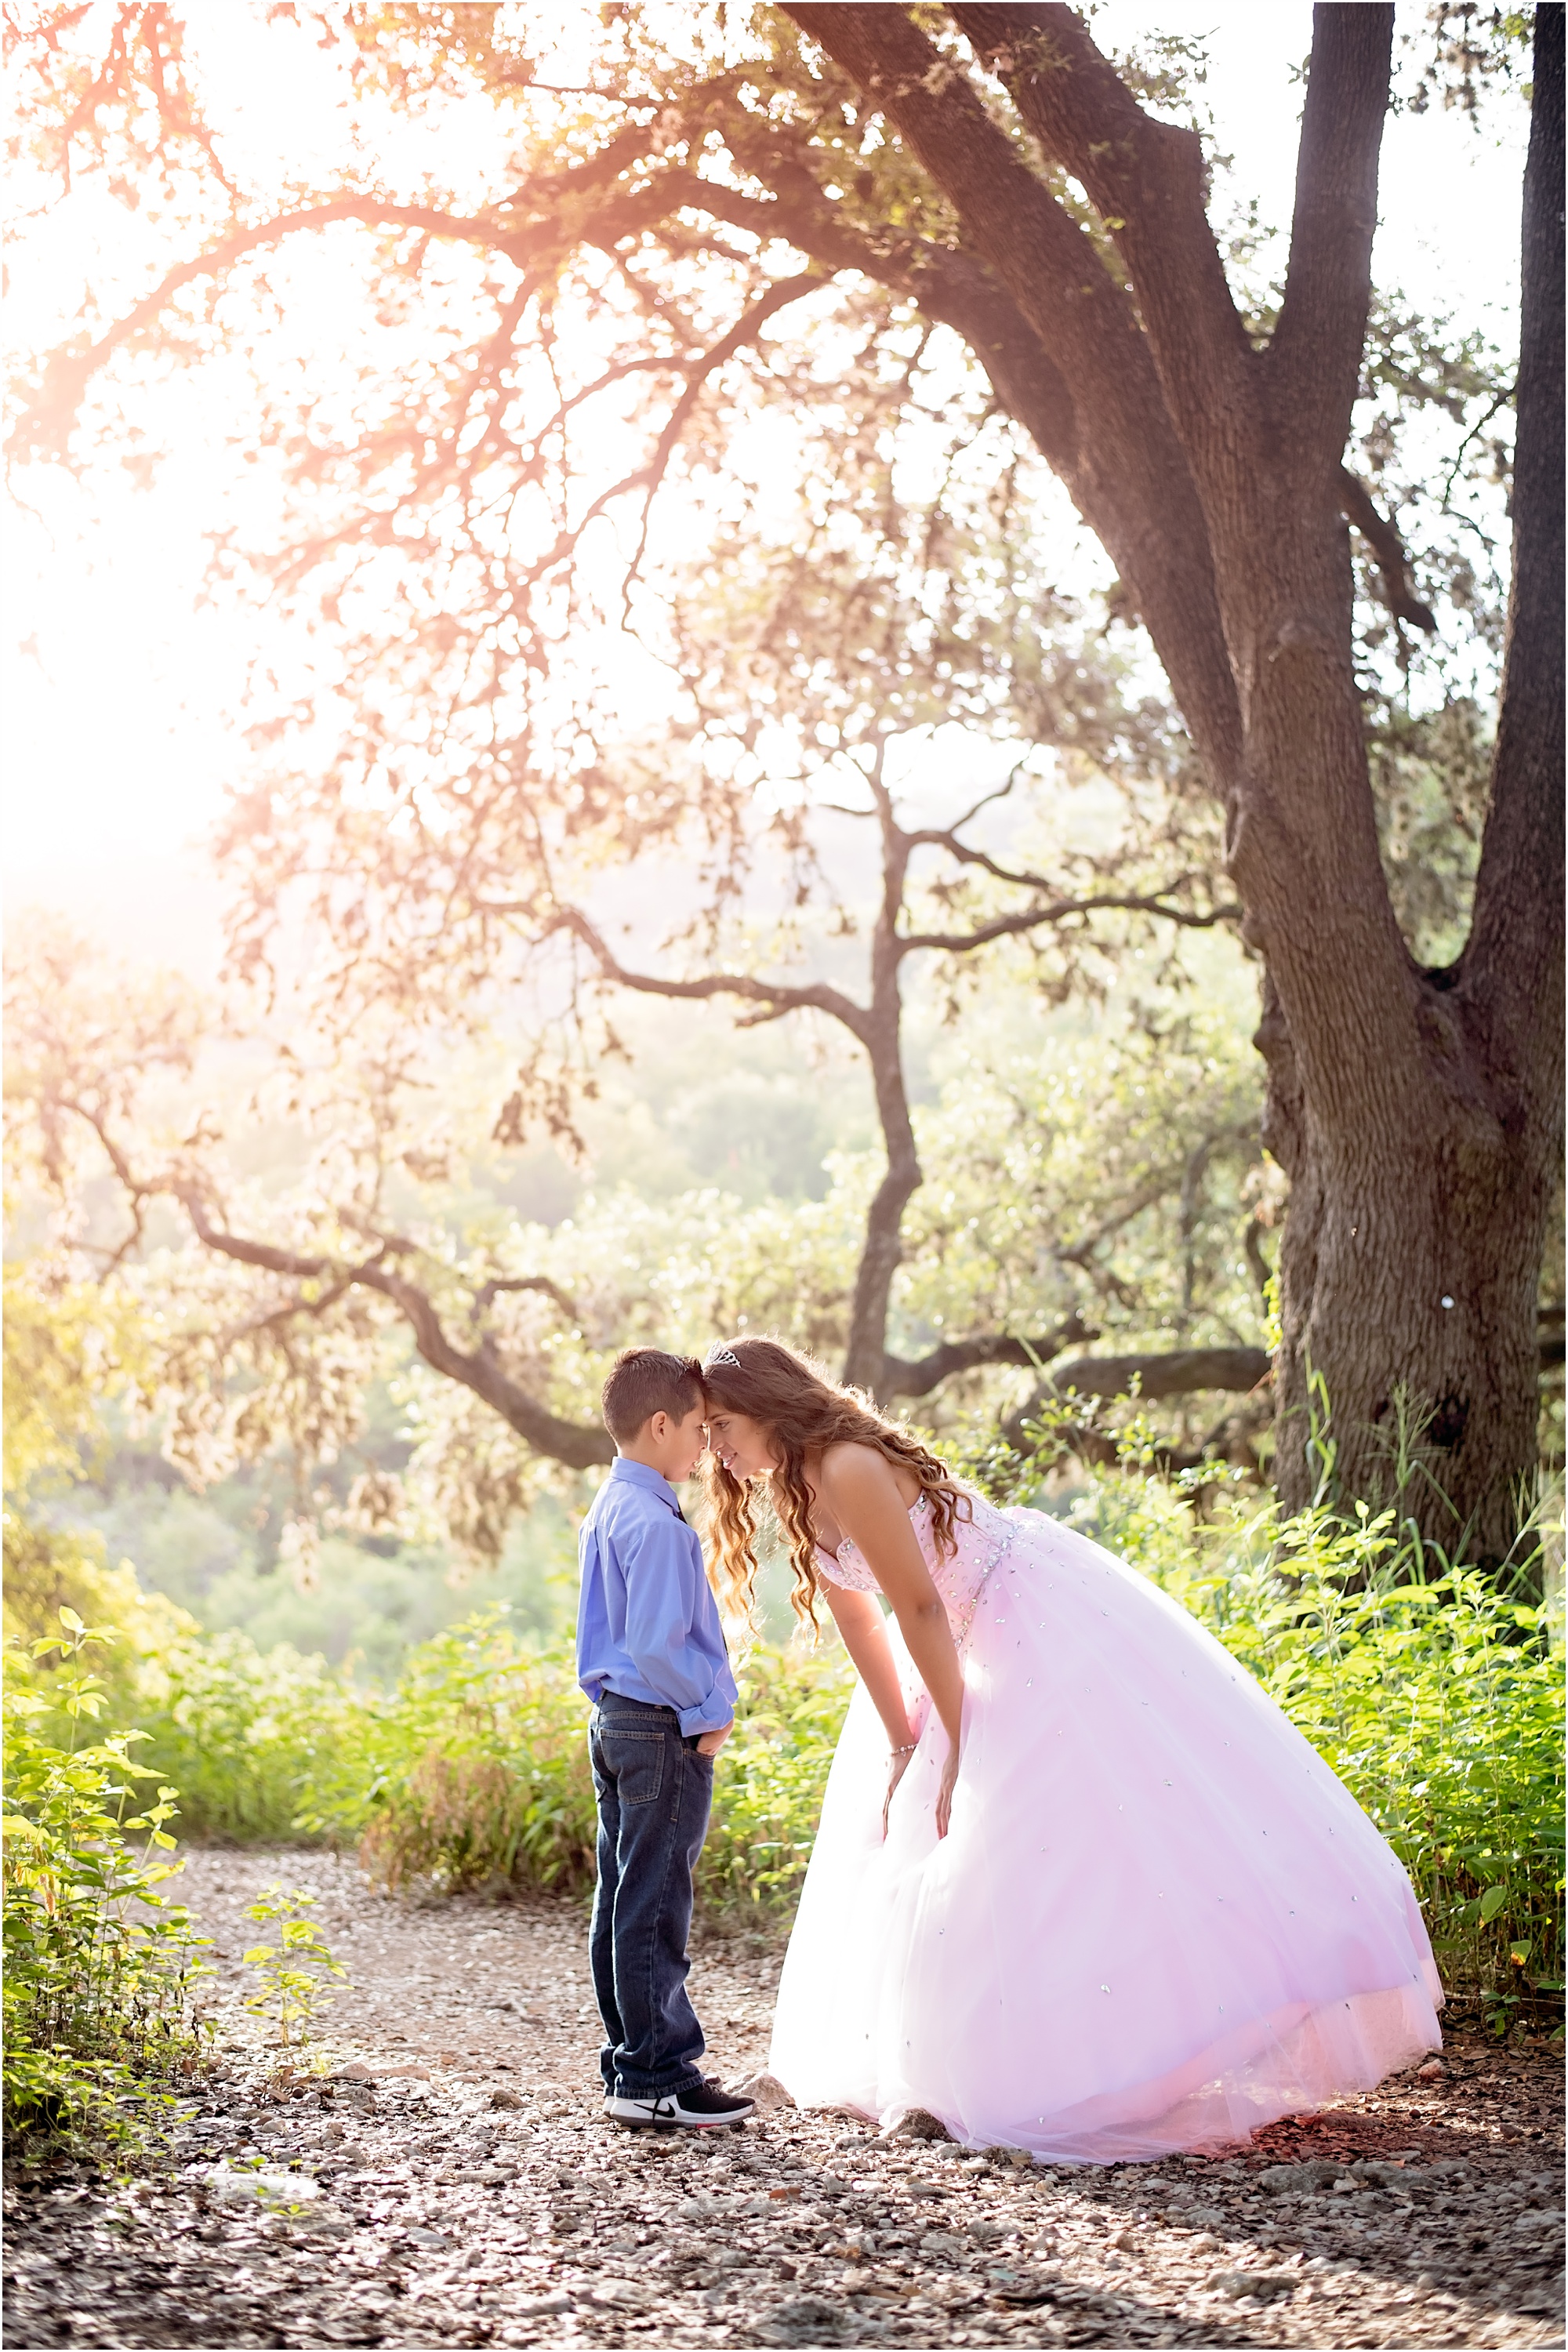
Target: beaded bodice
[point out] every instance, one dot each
(982, 1540)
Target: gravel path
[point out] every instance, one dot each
(452, 2182)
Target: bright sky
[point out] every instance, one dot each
(120, 736)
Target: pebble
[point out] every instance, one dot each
(262, 2187)
(462, 2188)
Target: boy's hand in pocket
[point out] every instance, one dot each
(710, 1742)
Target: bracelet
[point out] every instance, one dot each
(904, 1751)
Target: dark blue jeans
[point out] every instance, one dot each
(654, 1791)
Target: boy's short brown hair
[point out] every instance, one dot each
(645, 1380)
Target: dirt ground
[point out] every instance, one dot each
(446, 2179)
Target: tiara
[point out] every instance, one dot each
(723, 1356)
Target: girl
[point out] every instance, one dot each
(1079, 1887)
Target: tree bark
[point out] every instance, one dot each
(1410, 1263)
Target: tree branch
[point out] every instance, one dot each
(136, 1194)
(1126, 470)
(958, 288)
(1313, 362)
(1030, 918)
(47, 426)
(262, 1254)
(1177, 1374)
(1005, 207)
(1511, 970)
(906, 1377)
(1146, 180)
(567, 1442)
(773, 997)
(1184, 1372)
(489, 1291)
(953, 289)
(934, 837)
(751, 320)
(1388, 549)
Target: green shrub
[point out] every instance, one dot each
(290, 1980)
(47, 1570)
(772, 1774)
(98, 1963)
(1435, 1695)
(474, 1769)
(1440, 1702)
(241, 1733)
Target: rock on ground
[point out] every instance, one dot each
(447, 2180)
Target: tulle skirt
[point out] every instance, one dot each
(1159, 1920)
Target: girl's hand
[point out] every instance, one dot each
(898, 1766)
(944, 1793)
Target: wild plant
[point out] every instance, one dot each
(291, 1976)
(99, 1967)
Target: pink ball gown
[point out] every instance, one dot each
(1159, 1920)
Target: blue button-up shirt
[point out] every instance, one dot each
(647, 1623)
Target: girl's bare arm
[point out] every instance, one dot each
(859, 1488)
(865, 1499)
(858, 1618)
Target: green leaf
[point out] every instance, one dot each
(1492, 1902)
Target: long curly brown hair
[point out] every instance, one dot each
(802, 1411)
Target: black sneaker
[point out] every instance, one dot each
(696, 2106)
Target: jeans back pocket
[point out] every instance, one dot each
(633, 1761)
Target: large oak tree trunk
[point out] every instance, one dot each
(1409, 1269)
(1417, 1114)
(1424, 1158)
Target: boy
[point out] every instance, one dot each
(651, 1656)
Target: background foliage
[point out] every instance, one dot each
(539, 678)
(1436, 1698)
